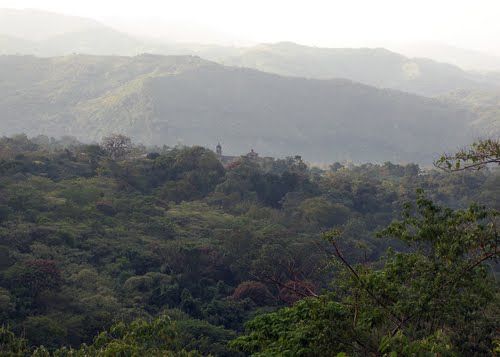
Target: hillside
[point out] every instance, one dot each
(373, 66)
(486, 107)
(183, 99)
(464, 58)
(88, 242)
(46, 34)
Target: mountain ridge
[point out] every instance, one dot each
(186, 99)
(378, 67)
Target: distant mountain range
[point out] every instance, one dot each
(185, 99)
(46, 34)
(467, 59)
(36, 25)
(485, 107)
(373, 66)
(279, 99)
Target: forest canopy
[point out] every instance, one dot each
(168, 251)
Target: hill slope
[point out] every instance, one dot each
(373, 66)
(485, 106)
(47, 34)
(464, 58)
(172, 100)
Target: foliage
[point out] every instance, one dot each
(87, 243)
(116, 145)
(158, 337)
(437, 297)
(312, 327)
(481, 154)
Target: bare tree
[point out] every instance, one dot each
(117, 146)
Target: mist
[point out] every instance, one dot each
(462, 24)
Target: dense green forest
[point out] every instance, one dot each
(116, 249)
(115, 244)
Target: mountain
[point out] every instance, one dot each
(486, 109)
(36, 25)
(46, 34)
(40, 33)
(185, 99)
(373, 66)
(464, 58)
(100, 41)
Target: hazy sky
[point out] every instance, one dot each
(464, 23)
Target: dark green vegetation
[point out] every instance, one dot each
(156, 99)
(122, 250)
(171, 253)
(437, 299)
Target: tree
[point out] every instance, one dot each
(10, 345)
(254, 290)
(435, 297)
(117, 146)
(158, 337)
(86, 241)
(42, 330)
(441, 290)
(33, 277)
(318, 211)
(479, 155)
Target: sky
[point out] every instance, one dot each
(471, 24)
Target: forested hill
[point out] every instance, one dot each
(184, 99)
(87, 242)
(484, 104)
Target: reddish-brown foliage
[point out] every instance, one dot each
(254, 290)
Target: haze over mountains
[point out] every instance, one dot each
(373, 66)
(47, 34)
(464, 58)
(327, 104)
(188, 100)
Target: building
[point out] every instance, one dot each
(252, 155)
(226, 160)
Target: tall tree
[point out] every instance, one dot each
(437, 296)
